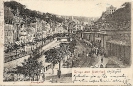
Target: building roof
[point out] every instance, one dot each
(111, 7)
(123, 43)
(91, 32)
(100, 32)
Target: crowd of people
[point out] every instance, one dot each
(97, 52)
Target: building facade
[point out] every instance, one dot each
(110, 10)
(120, 46)
(8, 35)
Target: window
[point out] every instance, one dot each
(98, 35)
(7, 33)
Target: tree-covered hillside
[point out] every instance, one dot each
(24, 12)
(119, 20)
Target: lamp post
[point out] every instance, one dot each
(59, 60)
(59, 71)
(42, 42)
(17, 39)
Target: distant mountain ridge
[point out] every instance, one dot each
(81, 18)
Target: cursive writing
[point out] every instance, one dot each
(121, 78)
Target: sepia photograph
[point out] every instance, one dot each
(44, 40)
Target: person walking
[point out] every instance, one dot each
(59, 73)
(101, 59)
(101, 66)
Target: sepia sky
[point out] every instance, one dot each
(88, 8)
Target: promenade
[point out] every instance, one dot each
(18, 62)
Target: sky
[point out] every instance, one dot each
(87, 8)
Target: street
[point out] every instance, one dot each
(81, 57)
(66, 74)
(17, 62)
(16, 54)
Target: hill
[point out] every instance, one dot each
(24, 12)
(120, 19)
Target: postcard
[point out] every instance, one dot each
(66, 42)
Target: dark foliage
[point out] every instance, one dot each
(72, 45)
(122, 14)
(51, 56)
(120, 19)
(32, 14)
(30, 67)
(8, 16)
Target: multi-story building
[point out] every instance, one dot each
(48, 29)
(98, 38)
(17, 23)
(116, 43)
(38, 29)
(8, 35)
(44, 29)
(110, 10)
(60, 29)
(120, 46)
(23, 35)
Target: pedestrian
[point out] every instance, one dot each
(90, 54)
(101, 66)
(72, 63)
(101, 59)
(83, 52)
(43, 77)
(98, 52)
(58, 73)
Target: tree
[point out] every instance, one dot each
(32, 14)
(55, 56)
(14, 5)
(8, 17)
(51, 56)
(62, 51)
(72, 45)
(30, 67)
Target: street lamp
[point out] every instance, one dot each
(17, 39)
(42, 42)
(59, 60)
